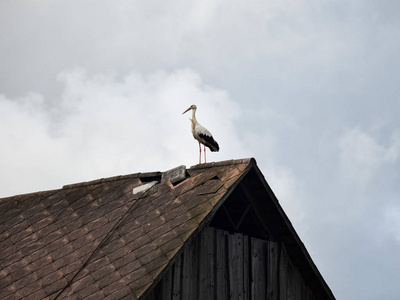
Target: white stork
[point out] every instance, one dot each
(202, 135)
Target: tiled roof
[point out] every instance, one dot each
(99, 239)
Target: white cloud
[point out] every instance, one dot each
(288, 190)
(123, 35)
(103, 126)
(362, 155)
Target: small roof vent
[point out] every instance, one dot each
(174, 175)
(139, 191)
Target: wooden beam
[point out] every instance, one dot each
(267, 234)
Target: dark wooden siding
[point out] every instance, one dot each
(219, 265)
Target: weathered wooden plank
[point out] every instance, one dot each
(236, 265)
(290, 281)
(221, 266)
(246, 268)
(206, 264)
(259, 268)
(190, 271)
(272, 275)
(283, 262)
(177, 276)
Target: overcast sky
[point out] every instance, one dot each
(310, 89)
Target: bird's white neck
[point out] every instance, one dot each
(193, 119)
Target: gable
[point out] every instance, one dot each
(252, 209)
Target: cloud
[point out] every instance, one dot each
(104, 126)
(209, 36)
(289, 191)
(391, 223)
(362, 155)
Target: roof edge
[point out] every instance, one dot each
(294, 235)
(224, 163)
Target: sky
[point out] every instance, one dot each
(92, 89)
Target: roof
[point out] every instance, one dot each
(114, 237)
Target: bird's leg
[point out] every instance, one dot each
(199, 153)
(205, 154)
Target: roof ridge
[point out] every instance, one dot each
(110, 179)
(158, 173)
(137, 175)
(224, 163)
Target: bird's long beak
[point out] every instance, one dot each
(187, 110)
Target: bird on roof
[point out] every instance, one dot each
(202, 135)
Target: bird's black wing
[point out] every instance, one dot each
(210, 142)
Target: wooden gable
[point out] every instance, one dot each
(246, 248)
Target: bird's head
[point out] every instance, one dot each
(194, 107)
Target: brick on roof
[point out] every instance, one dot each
(93, 240)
